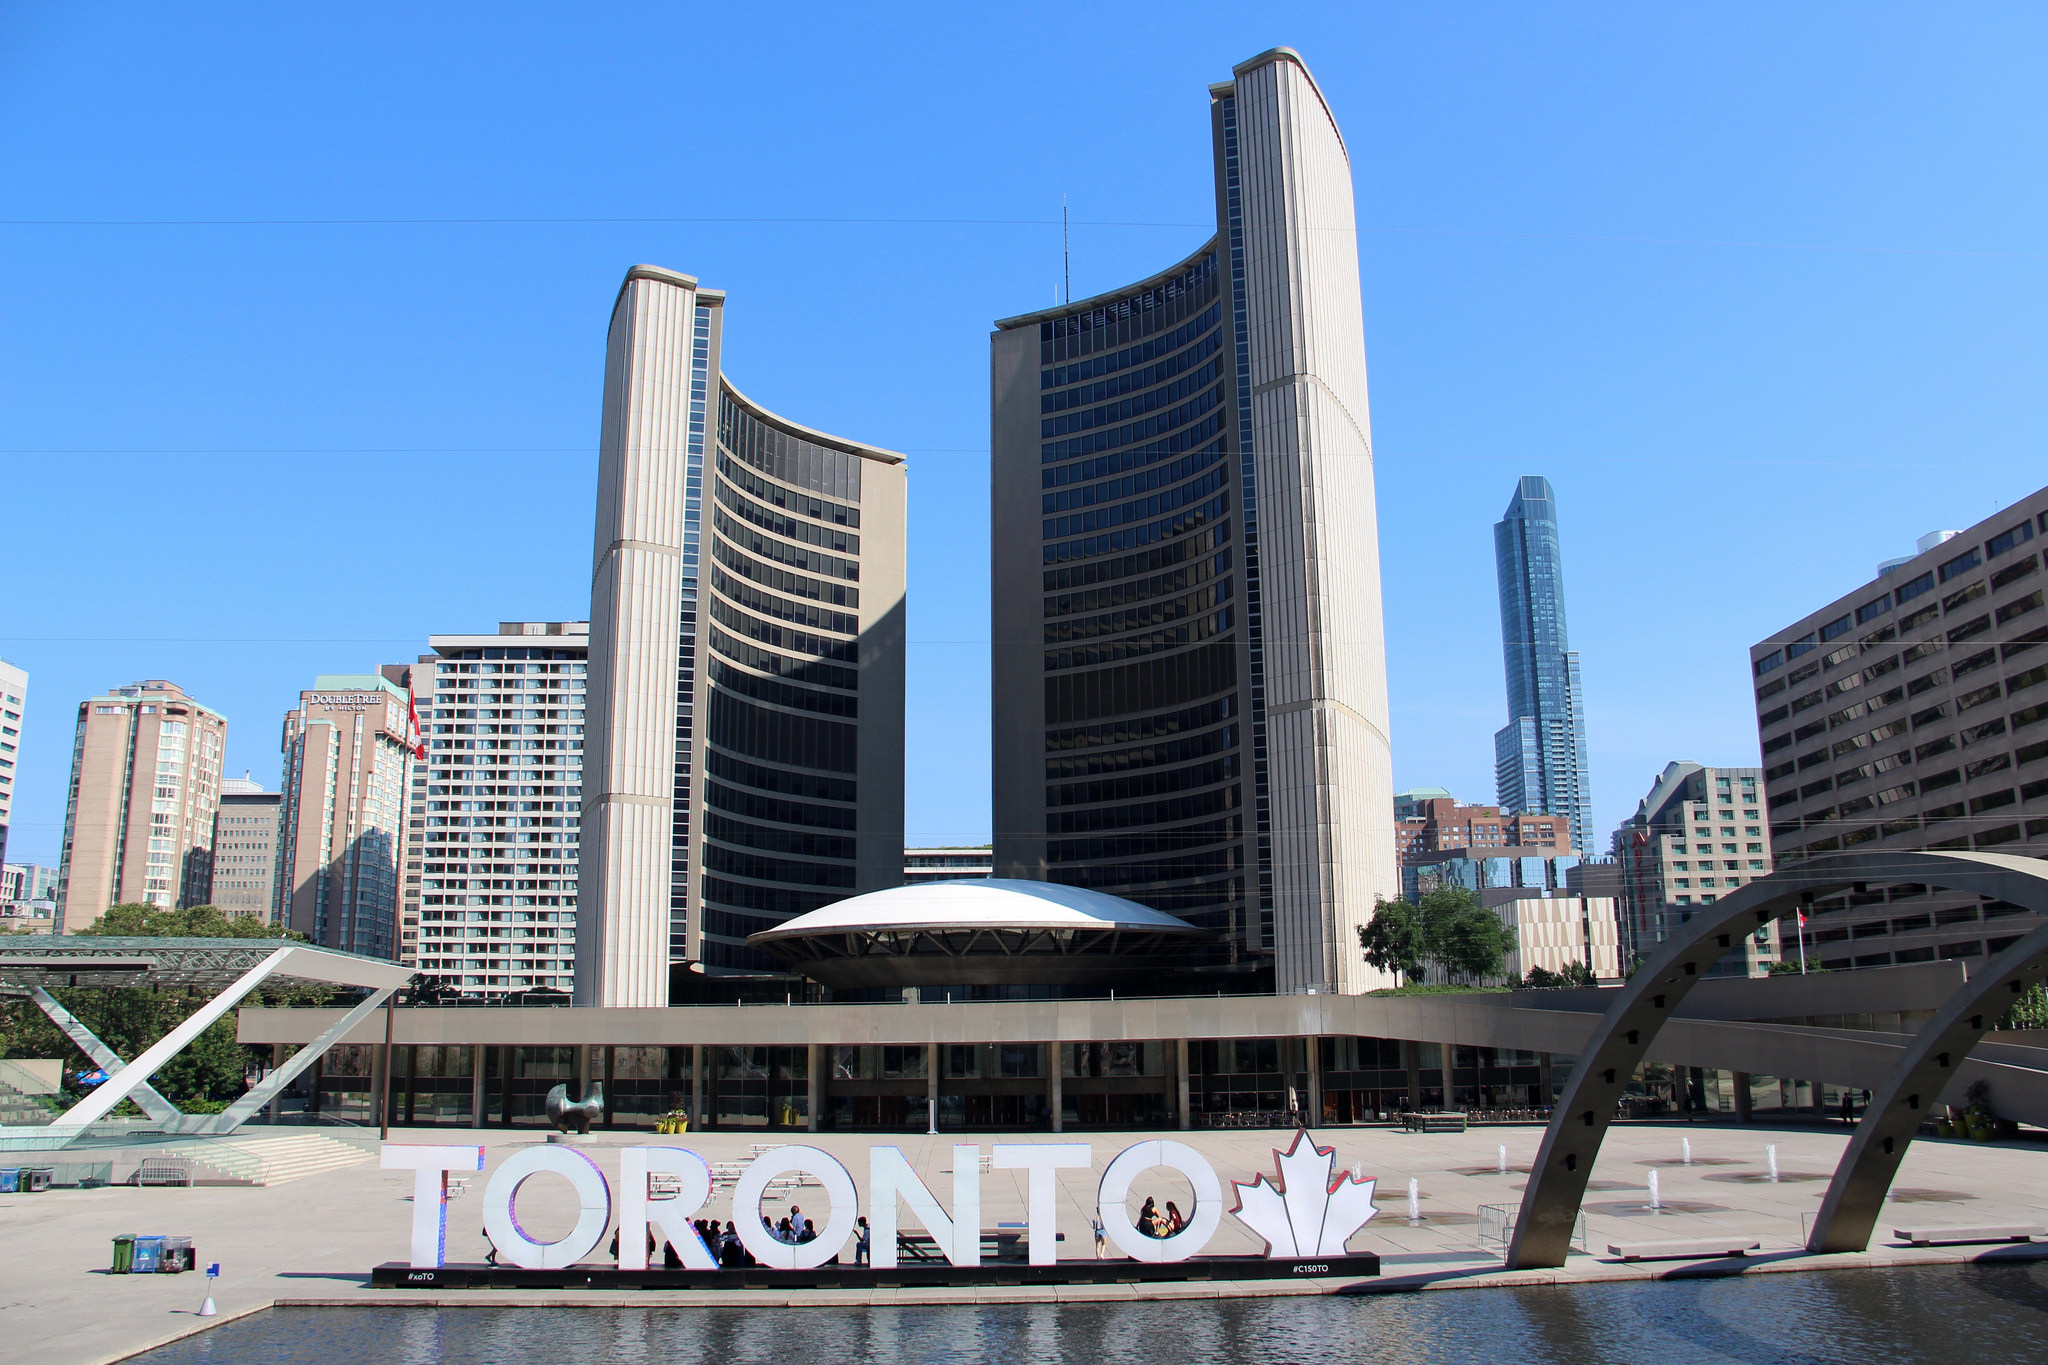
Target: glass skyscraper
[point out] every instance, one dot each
(1190, 673)
(745, 759)
(1540, 754)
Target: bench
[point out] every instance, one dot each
(1934, 1234)
(163, 1170)
(920, 1247)
(1681, 1248)
(1433, 1123)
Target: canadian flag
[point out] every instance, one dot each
(412, 726)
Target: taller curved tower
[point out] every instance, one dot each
(745, 745)
(1190, 664)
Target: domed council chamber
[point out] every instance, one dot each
(987, 932)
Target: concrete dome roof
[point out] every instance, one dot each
(980, 903)
(981, 932)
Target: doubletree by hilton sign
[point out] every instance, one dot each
(1305, 1216)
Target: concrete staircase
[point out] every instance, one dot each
(266, 1159)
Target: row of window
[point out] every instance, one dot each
(809, 561)
(779, 737)
(1141, 785)
(796, 585)
(1131, 538)
(1136, 646)
(800, 670)
(1150, 685)
(1137, 405)
(1148, 561)
(1159, 613)
(1145, 812)
(1133, 729)
(1123, 513)
(789, 528)
(781, 693)
(799, 613)
(787, 458)
(1139, 314)
(789, 500)
(1131, 381)
(1089, 494)
(1146, 429)
(1145, 756)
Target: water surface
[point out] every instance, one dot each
(1942, 1313)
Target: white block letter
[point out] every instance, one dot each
(430, 1193)
(839, 1196)
(501, 1221)
(890, 1178)
(672, 1216)
(1116, 1188)
(1042, 1159)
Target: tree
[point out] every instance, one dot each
(1462, 936)
(1448, 929)
(1393, 939)
(1575, 973)
(129, 1020)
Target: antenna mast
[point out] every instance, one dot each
(1066, 251)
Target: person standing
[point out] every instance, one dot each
(862, 1236)
(1101, 1238)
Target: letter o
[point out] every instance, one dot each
(1116, 1188)
(501, 1221)
(839, 1197)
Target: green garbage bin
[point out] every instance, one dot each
(124, 1254)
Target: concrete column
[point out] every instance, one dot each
(1290, 1072)
(1740, 1082)
(579, 1074)
(1545, 1096)
(1312, 1048)
(1411, 1059)
(277, 1059)
(815, 1070)
(1180, 1081)
(380, 1082)
(476, 1087)
(931, 1083)
(698, 1061)
(1055, 1097)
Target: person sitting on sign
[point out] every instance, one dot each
(1148, 1217)
(1174, 1222)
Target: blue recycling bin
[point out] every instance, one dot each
(149, 1255)
(10, 1179)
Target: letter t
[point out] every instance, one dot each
(1042, 1159)
(430, 1193)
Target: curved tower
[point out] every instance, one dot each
(745, 759)
(1190, 667)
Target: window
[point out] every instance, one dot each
(1804, 645)
(1762, 666)
(1908, 591)
(1875, 608)
(1999, 544)
(1835, 629)
(1961, 564)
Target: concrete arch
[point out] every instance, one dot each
(1564, 1163)
(1855, 1197)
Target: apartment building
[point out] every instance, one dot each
(1698, 834)
(1428, 823)
(1912, 713)
(348, 754)
(13, 699)
(492, 838)
(138, 820)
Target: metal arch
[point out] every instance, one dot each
(1855, 1197)
(1619, 1042)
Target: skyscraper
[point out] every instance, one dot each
(245, 849)
(745, 758)
(1539, 756)
(1190, 666)
(13, 696)
(490, 864)
(138, 822)
(347, 776)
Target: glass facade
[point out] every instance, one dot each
(1540, 756)
(1143, 582)
(780, 690)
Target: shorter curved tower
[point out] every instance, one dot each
(745, 728)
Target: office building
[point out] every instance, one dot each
(28, 897)
(245, 847)
(1912, 713)
(746, 661)
(1428, 824)
(946, 864)
(489, 902)
(348, 756)
(1190, 702)
(138, 820)
(13, 699)
(1540, 754)
(1698, 834)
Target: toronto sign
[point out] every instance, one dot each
(1305, 1212)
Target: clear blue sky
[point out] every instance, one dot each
(1761, 289)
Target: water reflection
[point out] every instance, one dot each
(1984, 1311)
